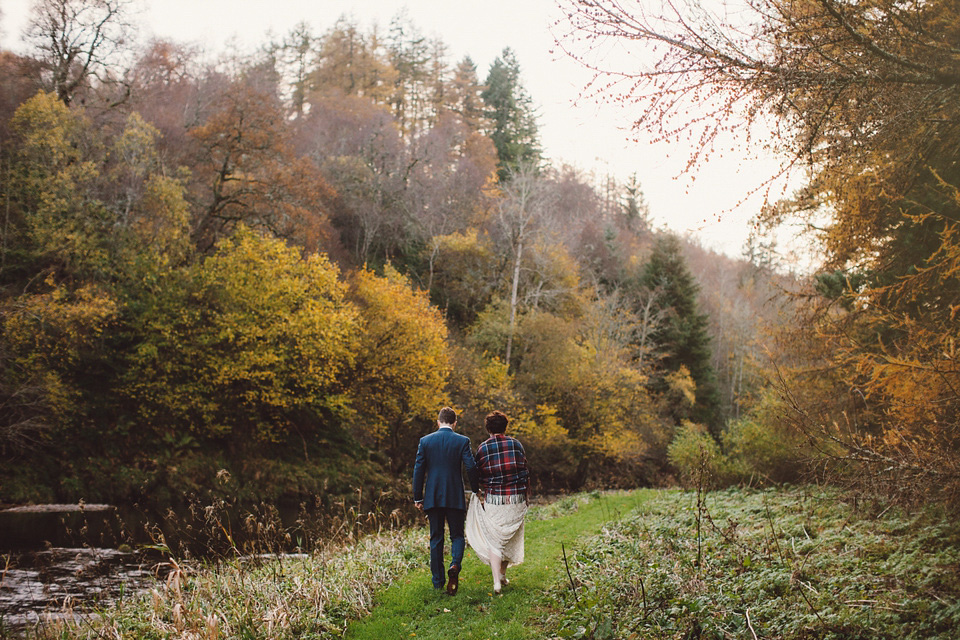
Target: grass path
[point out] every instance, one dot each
(411, 608)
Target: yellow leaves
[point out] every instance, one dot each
(259, 335)
(58, 325)
(163, 219)
(403, 362)
(46, 128)
(694, 452)
(135, 146)
(681, 385)
(543, 428)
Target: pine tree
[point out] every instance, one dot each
(511, 111)
(682, 334)
(636, 214)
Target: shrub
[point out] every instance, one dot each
(697, 457)
(757, 449)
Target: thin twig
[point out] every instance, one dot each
(773, 533)
(750, 626)
(573, 586)
(643, 592)
(810, 604)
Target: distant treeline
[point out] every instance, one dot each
(281, 264)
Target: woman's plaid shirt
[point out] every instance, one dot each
(503, 469)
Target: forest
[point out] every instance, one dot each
(262, 275)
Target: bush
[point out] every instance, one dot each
(697, 457)
(759, 450)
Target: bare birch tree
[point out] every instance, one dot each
(525, 202)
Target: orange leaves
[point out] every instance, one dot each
(248, 172)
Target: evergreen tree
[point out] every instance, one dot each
(410, 54)
(682, 333)
(636, 214)
(510, 109)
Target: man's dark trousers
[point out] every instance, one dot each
(438, 485)
(455, 519)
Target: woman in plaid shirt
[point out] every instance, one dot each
(494, 525)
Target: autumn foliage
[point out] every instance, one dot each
(283, 265)
(864, 97)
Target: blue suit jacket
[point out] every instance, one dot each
(437, 479)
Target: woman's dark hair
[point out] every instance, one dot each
(496, 422)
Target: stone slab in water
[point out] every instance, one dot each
(57, 508)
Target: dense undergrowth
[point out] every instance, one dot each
(792, 564)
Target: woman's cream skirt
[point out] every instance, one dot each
(496, 528)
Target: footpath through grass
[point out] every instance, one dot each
(412, 608)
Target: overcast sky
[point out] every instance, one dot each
(579, 132)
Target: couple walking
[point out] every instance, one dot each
(493, 523)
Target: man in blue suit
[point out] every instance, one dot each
(438, 466)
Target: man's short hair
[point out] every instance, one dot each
(496, 422)
(447, 416)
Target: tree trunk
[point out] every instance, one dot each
(513, 300)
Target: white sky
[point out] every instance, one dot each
(587, 135)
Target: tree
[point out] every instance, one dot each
(351, 63)
(20, 79)
(636, 213)
(410, 56)
(52, 356)
(77, 39)
(867, 94)
(358, 149)
(464, 275)
(402, 362)
(294, 58)
(246, 171)
(525, 202)
(465, 96)
(250, 346)
(510, 110)
(446, 189)
(54, 219)
(682, 334)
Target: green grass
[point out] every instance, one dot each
(411, 608)
(788, 564)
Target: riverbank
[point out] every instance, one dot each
(791, 563)
(313, 595)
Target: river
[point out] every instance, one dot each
(65, 561)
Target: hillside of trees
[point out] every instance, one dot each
(263, 275)
(281, 265)
(864, 98)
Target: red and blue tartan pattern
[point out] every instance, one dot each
(503, 469)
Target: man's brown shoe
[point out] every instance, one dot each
(453, 578)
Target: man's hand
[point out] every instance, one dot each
(419, 505)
